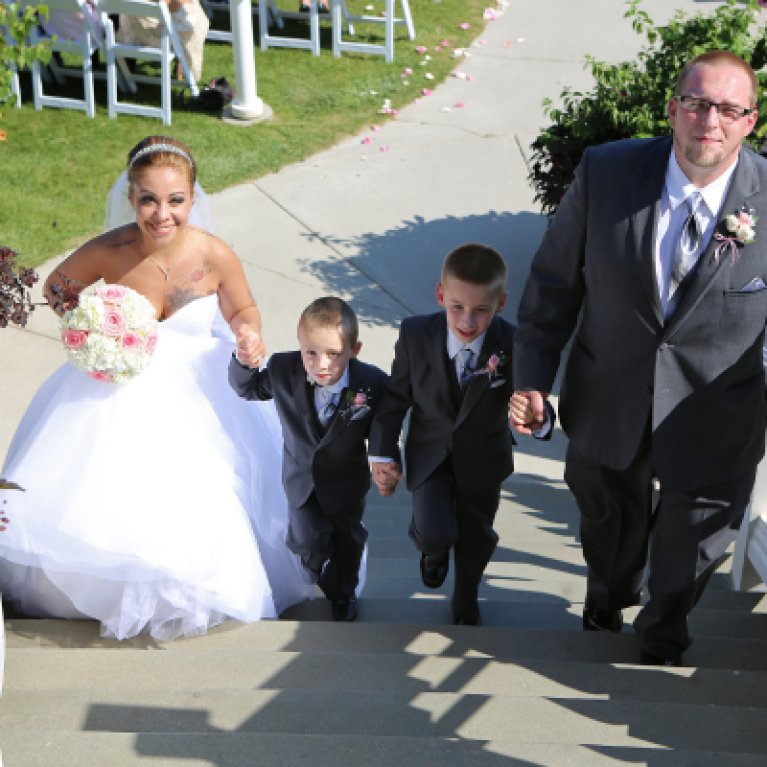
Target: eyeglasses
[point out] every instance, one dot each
(699, 107)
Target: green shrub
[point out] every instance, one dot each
(19, 54)
(630, 100)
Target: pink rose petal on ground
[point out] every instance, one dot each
(437, 48)
(483, 42)
(445, 43)
(416, 101)
(426, 92)
(383, 13)
(460, 104)
(74, 339)
(395, 112)
(408, 71)
(366, 140)
(404, 74)
(100, 376)
(465, 26)
(421, 49)
(375, 127)
(469, 77)
(384, 148)
(507, 44)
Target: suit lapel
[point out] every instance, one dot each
(744, 184)
(357, 382)
(645, 212)
(436, 349)
(301, 392)
(478, 385)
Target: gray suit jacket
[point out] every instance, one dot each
(333, 463)
(700, 376)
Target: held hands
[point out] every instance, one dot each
(528, 411)
(386, 476)
(250, 347)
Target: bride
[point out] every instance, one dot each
(158, 505)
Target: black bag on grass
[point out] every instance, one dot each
(216, 95)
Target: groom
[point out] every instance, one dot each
(665, 376)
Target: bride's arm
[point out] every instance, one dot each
(239, 308)
(72, 276)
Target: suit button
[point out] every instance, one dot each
(649, 389)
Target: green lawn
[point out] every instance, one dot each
(57, 165)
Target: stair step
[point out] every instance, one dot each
(432, 714)
(47, 690)
(65, 749)
(411, 639)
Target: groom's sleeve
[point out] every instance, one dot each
(554, 292)
(248, 383)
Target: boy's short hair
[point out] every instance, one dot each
(332, 312)
(478, 264)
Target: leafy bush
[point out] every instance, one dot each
(630, 100)
(19, 54)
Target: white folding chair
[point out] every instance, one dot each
(389, 21)
(170, 49)
(224, 36)
(89, 42)
(314, 16)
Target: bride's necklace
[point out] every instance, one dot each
(167, 271)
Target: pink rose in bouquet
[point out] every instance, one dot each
(74, 339)
(100, 375)
(132, 342)
(112, 294)
(151, 343)
(114, 323)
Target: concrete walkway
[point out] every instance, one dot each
(402, 685)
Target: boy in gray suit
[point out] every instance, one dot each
(453, 370)
(325, 398)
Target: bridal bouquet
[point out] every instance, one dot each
(111, 335)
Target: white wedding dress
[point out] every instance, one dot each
(157, 505)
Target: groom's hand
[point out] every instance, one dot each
(528, 411)
(250, 347)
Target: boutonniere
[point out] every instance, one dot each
(357, 403)
(740, 227)
(491, 369)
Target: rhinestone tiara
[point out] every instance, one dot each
(152, 148)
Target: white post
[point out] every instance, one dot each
(247, 105)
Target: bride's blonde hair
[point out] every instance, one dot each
(161, 152)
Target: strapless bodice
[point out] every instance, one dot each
(194, 319)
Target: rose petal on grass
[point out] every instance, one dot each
(416, 101)
(426, 92)
(369, 8)
(383, 13)
(429, 76)
(465, 26)
(437, 48)
(421, 49)
(445, 43)
(405, 82)
(408, 71)
(395, 112)
(375, 127)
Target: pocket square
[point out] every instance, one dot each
(756, 284)
(497, 382)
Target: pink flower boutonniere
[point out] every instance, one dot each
(740, 227)
(492, 368)
(358, 404)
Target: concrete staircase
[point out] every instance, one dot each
(403, 686)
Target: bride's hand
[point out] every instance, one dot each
(250, 347)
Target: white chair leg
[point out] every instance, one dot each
(314, 27)
(335, 10)
(276, 15)
(349, 27)
(165, 76)
(90, 100)
(109, 33)
(37, 85)
(263, 24)
(16, 88)
(389, 28)
(408, 19)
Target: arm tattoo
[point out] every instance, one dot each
(124, 242)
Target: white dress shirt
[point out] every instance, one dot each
(673, 214)
(335, 388)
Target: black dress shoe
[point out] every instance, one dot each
(595, 619)
(648, 659)
(434, 570)
(466, 622)
(345, 609)
(323, 9)
(305, 8)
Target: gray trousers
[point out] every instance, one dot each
(686, 534)
(330, 545)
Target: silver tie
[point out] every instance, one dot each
(328, 406)
(686, 252)
(464, 367)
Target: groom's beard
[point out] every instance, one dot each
(698, 156)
